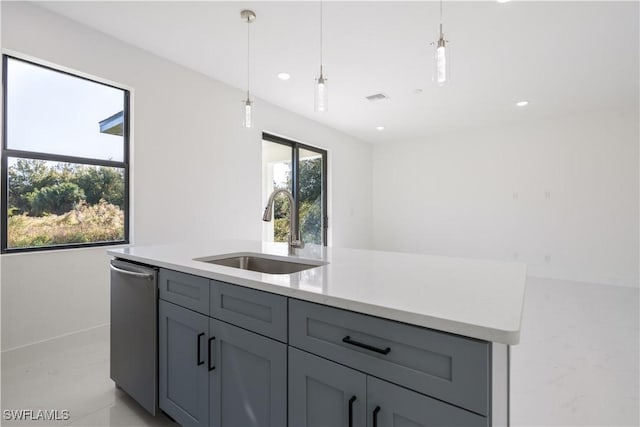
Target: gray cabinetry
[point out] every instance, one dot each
(185, 290)
(212, 373)
(184, 386)
(224, 362)
(448, 367)
(257, 311)
(323, 393)
(391, 406)
(249, 382)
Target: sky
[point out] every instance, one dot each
(53, 112)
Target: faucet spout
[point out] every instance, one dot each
(268, 212)
(295, 241)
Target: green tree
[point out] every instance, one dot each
(25, 176)
(281, 212)
(100, 183)
(311, 222)
(311, 200)
(310, 180)
(55, 199)
(310, 204)
(29, 178)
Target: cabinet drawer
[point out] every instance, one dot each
(185, 290)
(449, 367)
(260, 312)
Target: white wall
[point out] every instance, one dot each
(565, 189)
(196, 172)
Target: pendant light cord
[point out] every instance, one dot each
(441, 18)
(441, 33)
(321, 37)
(248, 54)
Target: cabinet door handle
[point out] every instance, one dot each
(348, 340)
(353, 399)
(375, 416)
(198, 361)
(211, 368)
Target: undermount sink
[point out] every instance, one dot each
(261, 263)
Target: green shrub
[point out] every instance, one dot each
(281, 229)
(101, 222)
(55, 199)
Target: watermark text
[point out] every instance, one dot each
(35, 414)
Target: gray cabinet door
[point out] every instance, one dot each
(323, 393)
(184, 386)
(391, 406)
(248, 385)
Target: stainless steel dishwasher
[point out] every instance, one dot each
(134, 360)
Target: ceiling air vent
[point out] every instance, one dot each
(377, 97)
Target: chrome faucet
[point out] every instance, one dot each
(294, 232)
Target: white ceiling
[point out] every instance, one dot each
(564, 57)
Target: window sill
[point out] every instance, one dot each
(62, 248)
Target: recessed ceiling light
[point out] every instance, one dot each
(503, 1)
(380, 127)
(284, 76)
(522, 103)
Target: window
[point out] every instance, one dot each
(65, 155)
(302, 170)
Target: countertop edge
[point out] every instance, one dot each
(508, 337)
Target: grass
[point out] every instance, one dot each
(101, 222)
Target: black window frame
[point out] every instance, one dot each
(295, 176)
(34, 155)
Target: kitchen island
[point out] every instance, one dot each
(375, 338)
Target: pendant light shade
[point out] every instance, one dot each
(321, 93)
(442, 57)
(442, 71)
(247, 104)
(248, 16)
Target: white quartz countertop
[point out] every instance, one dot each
(476, 298)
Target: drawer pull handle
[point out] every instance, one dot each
(211, 368)
(353, 399)
(348, 340)
(198, 361)
(375, 416)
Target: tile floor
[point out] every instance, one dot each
(577, 364)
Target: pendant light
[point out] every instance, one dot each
(248, 16)
(442, 57)
(321, 104)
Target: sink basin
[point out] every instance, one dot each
(261, 263)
